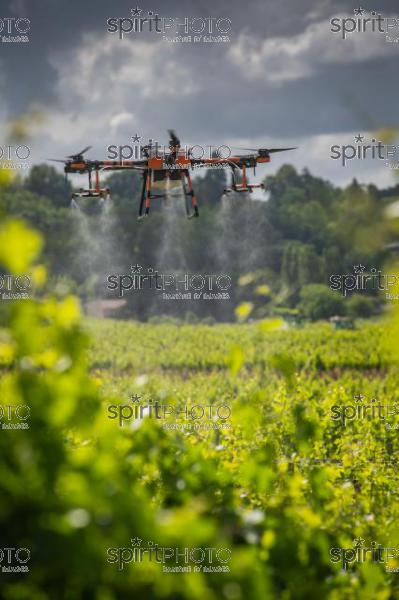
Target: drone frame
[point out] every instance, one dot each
(173, 166)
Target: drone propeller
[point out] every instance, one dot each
(174, 140)
(266, 150)
(71, 157)
(79, 154)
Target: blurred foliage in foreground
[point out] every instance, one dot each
(280, 488)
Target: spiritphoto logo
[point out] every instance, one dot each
(186, 417)
(173, 559)
(363, 409)
(171, 286)
(361, 553)
(15, 287)
(364, 149)
(14, 30)
(14, 416)
(14, 156)
(137, 150)
(14, 560)
(186, 29)
(361, 281)
(365, 22)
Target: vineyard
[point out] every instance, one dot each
(290, 480)
(269, 450)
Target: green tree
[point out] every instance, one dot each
(319, 302)
(300, 266)
(361, 306)
(44, 180)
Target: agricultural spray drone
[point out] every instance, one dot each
(160, 165)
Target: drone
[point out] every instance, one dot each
(166, 165)
(76, 163)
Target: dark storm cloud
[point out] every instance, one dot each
(283, 75)
(59, 26)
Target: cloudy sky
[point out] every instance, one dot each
(283, 78)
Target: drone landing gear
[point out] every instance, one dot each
(239, 189)
(243, 186)
(145, 195)
(102, 194)
(189, 195)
